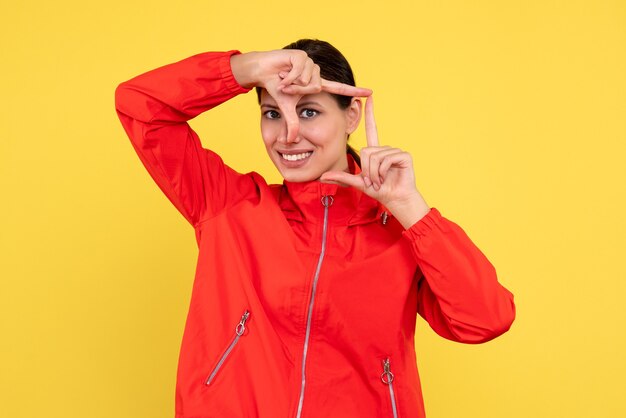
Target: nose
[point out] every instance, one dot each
(289, 133)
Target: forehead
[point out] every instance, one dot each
(323, 98)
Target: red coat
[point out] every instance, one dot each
(305, 297)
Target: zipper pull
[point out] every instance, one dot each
(387, 376)
(327, 201)
(241, 326)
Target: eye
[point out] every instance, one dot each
(308, 113)
(271, 114)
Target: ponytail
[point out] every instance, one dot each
(354, 154)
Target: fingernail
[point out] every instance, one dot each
(367, 181)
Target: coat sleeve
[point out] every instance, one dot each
(154, 109)
(458, 293)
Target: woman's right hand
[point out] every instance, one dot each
(287, 75)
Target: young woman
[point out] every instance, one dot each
(306, 293)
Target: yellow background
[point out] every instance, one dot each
(514, 111)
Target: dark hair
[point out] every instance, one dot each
(333, 67)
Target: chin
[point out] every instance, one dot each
(300, 177)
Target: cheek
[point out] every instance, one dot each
(322, 134)
(331, 138)
(268, 134)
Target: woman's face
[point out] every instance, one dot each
(321, 142)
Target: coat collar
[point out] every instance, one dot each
(302, 201)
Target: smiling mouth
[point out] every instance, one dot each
(296, 157)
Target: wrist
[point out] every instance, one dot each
(409, 210)
(244, 68)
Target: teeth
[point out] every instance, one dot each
(296, 157)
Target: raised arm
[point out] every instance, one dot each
(459, 294)
(154, 108)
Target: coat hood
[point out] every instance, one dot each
(302, 201)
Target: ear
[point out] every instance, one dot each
(353, 115)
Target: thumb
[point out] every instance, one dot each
(287, 107)
(344, 179)
(293, 126)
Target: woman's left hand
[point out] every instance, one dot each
(386, 175)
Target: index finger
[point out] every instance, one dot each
(371, 133)
(345, 89)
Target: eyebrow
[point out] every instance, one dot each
(309, 103)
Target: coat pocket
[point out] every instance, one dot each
(387, 378)
(240, 330)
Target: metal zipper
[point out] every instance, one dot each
(327, 201)
(387, 378)
(239, 330)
